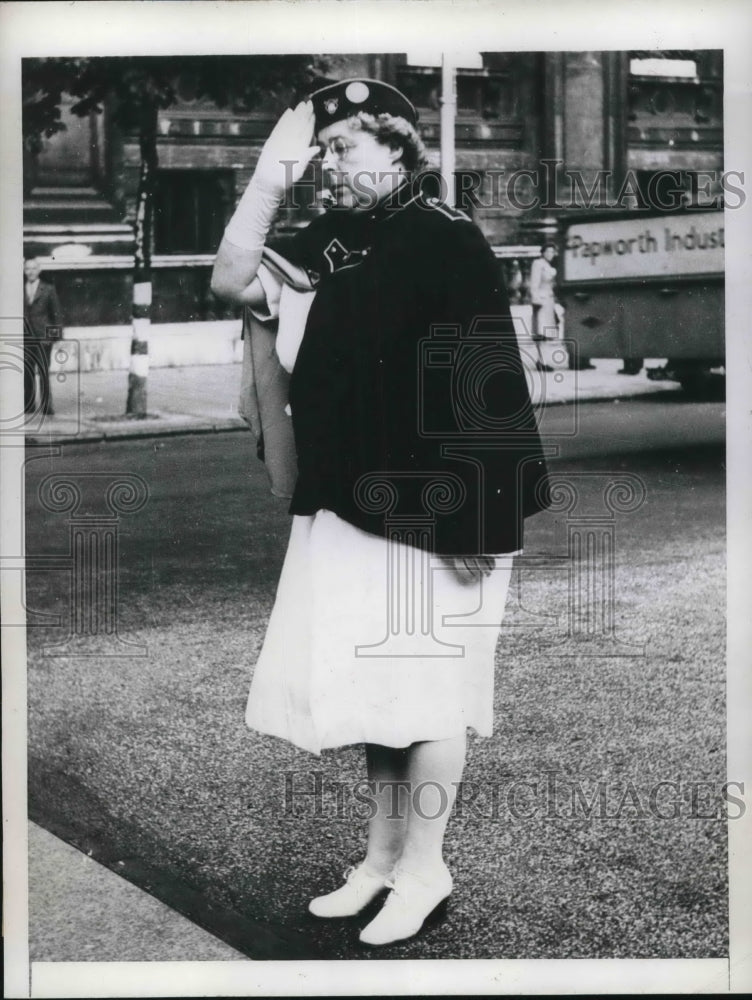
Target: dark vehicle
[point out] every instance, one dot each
(649, 287)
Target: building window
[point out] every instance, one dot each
(680, 88)
(652, 66)
(189, 210)
(73, 157)
(488, 106)
(675, 111)
(481, 92)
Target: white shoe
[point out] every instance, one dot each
(361, 886)
(412, 899)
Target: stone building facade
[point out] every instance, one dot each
(539, 137)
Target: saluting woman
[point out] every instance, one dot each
(411, 491)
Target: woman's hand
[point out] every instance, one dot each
(283, 160)
(469, 569)
(288, 150)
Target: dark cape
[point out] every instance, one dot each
(410, 408)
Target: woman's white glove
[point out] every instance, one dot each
(283, 161)
(288, 150)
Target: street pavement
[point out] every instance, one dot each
(90, 406)
(135, 759)
(81, 911)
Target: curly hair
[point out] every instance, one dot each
(395, 132)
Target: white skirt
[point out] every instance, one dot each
(372, 641)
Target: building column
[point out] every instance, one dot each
(584, 96)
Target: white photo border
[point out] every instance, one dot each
(197, 27)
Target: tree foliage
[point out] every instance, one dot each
(134, 87)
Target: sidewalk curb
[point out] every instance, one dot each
(131, 430)
(91, 436)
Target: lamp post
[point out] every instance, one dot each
(447, 120)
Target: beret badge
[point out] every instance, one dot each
(357, 92)
(331, 105)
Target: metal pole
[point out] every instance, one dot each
(448, 117)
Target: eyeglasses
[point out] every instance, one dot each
(339, 147)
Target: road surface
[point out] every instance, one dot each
(567, 844)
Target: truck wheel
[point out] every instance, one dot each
(703, 384)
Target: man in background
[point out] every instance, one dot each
(42, 326)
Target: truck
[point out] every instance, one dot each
(651, 286)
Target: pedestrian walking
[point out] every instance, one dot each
(547, 312)
(401, 496)
(42, 327)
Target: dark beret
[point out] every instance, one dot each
(346, 97)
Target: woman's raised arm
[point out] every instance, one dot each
(283, 160)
